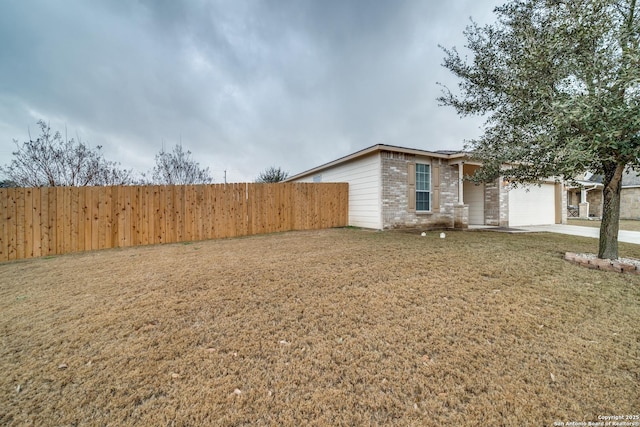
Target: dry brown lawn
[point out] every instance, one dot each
(332, 327)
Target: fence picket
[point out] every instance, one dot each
(20, 222)
(80, 217)
(13, 221)
(28, 234)
(4, 256)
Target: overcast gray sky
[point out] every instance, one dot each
(243, 84)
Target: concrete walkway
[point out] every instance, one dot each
(576, 230)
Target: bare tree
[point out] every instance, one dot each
(272, 174)
(54, 161)
(7, 184)
(178, 168)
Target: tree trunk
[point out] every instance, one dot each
(608, 246)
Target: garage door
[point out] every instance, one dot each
(474, 197)
(532, 205)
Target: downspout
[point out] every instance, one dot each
(584, 191)
(583, 199)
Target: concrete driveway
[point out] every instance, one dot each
(576, 230)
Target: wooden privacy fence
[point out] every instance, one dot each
(57, 220)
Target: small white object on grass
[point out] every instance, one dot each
(442, 235)
(423, 234)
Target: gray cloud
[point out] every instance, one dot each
(243, 85)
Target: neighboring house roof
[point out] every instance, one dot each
(582, 183)
(630, 178)
(586, 181)
(589, 177)
(442, 154)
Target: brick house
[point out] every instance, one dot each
(630, 196)
(586, 199)
(394, 187)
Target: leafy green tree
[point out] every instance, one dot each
(53, 161)
(559, 84)
(272, 174)
(178, 168)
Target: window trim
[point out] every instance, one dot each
(429, 191)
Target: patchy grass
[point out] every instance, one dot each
(625, 224)
(333, 327)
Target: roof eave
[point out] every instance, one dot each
(376, 149)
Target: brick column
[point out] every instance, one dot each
(461, 216)
(584, 210)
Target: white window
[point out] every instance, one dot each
(423, 187)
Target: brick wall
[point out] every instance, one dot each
(630, 203)
(395, 209)
(449, 181)
(594, 197)
(563, 204)
(494, 197)
(395, 188)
